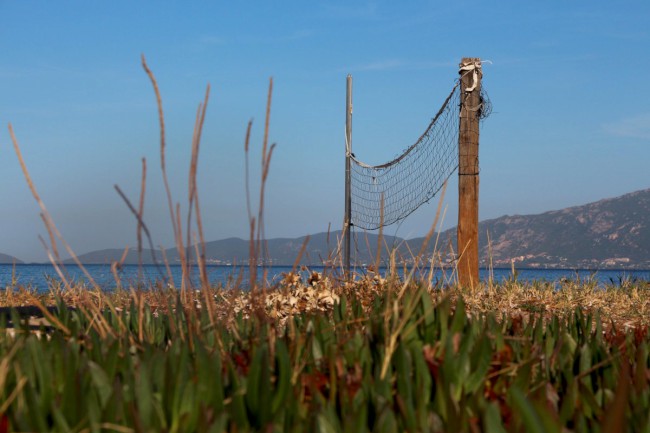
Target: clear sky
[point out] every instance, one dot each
(568, 82)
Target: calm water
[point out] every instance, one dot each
(37, 276)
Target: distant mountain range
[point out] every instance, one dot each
(279, 251)
(608, 234)
(7, 259)
(612, 233)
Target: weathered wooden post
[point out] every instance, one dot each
(347, 223)
(468, 170)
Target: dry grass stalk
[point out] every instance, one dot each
(246, 170)
(399, 322)
(141, 224)
(435, 253)
(196, 141)
(174, 216)
(339, 248)
(19, 386)
(201, 254)
(193, 200)
(115, 266)
(170, 277)
(256, 226)
(4, 369)
(60, 272)
(53, 320)
(181, 253)
(266, 165)
(143, 188)
(45, 215)
(161, 120)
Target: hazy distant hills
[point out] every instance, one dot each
(611, 233)
(7, 259)
(278, 251)
(321, 248)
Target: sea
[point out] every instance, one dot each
(41, 277)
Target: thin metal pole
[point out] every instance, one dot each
(347, 226)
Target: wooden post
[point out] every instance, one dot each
(347, 223)
(468, 171)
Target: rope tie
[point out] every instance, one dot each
(474, 67)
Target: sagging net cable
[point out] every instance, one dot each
(411, 179)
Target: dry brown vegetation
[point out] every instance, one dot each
(626, 305)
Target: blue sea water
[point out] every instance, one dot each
(39, 276)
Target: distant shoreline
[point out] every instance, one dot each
(209, 265)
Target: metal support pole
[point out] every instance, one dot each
(468, 171)
(347, 224)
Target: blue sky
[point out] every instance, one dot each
(568, 82)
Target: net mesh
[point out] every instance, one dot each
(410, 180)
